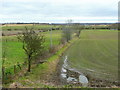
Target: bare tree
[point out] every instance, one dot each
(115, 26)
(32, 44)
(67, 31)
(78, 28)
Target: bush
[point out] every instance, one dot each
(9, 29)
(3, 34)
(52, 49)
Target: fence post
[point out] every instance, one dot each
(19, 65)
(14, 69)
(3, 73)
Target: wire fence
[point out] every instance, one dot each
(9, 72)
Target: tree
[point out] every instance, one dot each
(115, 26)
(78, 28)
(32, 44)
(67, 31)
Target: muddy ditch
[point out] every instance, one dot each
(71, 76)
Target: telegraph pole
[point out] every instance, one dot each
(51, 35)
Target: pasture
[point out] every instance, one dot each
(29, 26)
(96, 54)
(14, 53)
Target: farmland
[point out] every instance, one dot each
(21, 27)
(60, 44)
(96, 54)
(14, 53)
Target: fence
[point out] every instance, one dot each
(9, 72)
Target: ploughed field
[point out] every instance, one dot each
(95, 54)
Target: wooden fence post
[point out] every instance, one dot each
(3, 73)
(19, 66)
(14, 69)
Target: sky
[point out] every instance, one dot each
(59, 11)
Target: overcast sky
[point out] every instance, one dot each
(58, 11)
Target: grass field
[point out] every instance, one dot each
(13, 48)
(96, 54)
(29, 26)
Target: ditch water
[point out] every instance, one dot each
(72, 76)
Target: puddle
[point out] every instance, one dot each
(72, 76)
(71, 79)
(63, 75)
(63, 70)
(83, 80)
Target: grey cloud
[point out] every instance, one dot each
(34, 9)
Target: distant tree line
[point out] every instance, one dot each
(115, 26)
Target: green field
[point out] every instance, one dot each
(22, 27)
(96, 54)
(13, 48)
